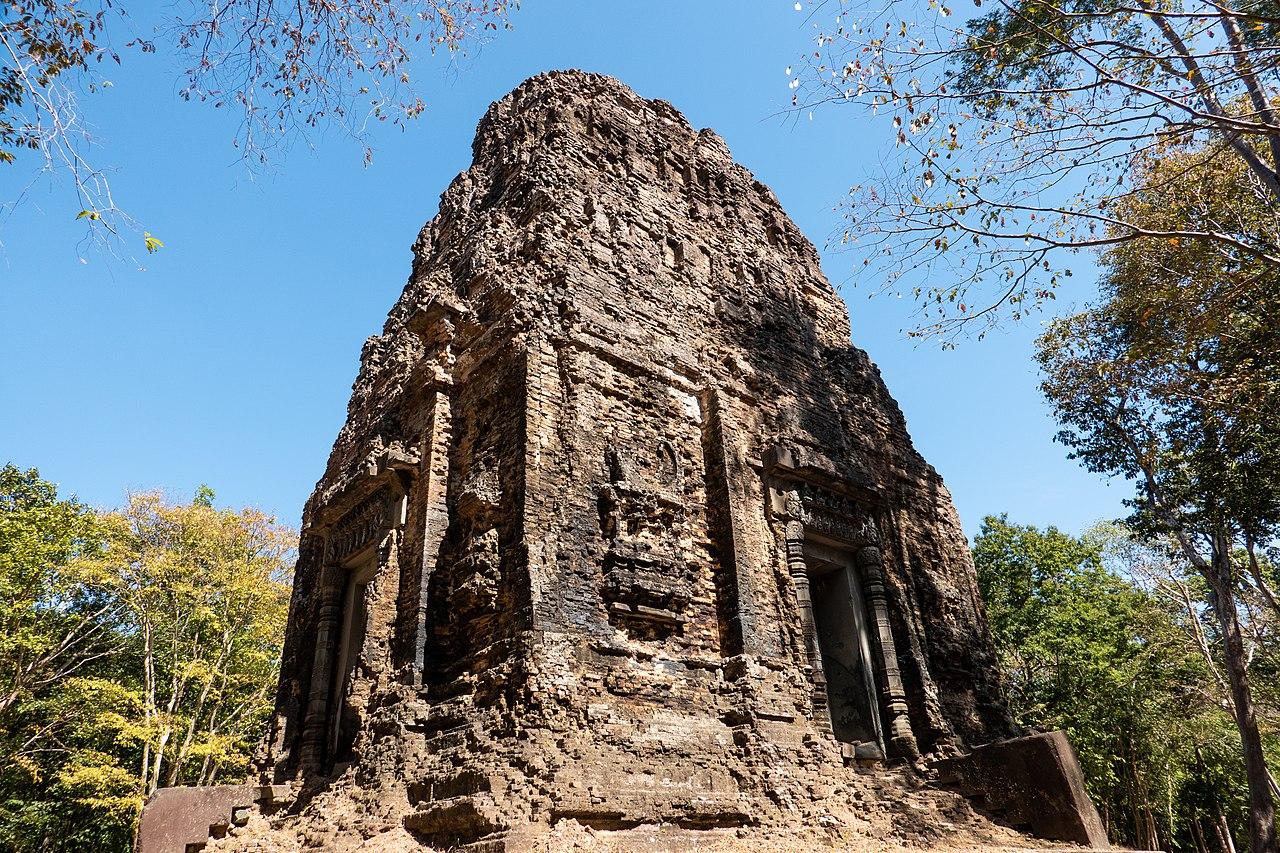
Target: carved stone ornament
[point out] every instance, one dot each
(645, 576)
(359, 526)
(481, 490)
(477, 573)
(830, 513)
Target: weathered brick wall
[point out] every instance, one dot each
(615, 390)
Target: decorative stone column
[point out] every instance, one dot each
(799, 571)
(870, 564)
(328, 627)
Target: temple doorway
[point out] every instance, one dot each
(840, 619)
(355, 624)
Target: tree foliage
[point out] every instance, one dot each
(1173, 379)
(1153, 386)
(1089, 647)
(283, 67)
(57, 617)
(61, 639)
(140, 650)
(207, 599)
(1027, 127)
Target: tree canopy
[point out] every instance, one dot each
(138, 649)
(1024, 128)
(284, 69)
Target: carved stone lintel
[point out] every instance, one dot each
(360, 526)
(836, 516)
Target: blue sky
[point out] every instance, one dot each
(229, 360)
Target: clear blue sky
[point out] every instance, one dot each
(229, 361)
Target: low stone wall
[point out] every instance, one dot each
(1032, 783)
(179, 820)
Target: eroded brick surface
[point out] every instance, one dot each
(567, 571)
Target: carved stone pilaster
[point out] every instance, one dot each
(433, 492)
(798, 569)
(328, 627)
(748, 629)
(870, 564)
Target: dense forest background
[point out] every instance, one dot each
(1108, 638)
(139, 648)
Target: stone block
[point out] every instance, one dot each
(1032, 783)
(178, 820)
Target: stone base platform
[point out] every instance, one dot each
(871, 810)
(1022, 794)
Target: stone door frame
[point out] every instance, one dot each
(365, 526)
(815, 506)
(842, 560)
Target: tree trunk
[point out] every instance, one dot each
(1197, 835)
(149, 700)
(153, 779)
(1224, 834)
(1262, 808)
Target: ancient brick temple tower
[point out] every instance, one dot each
(620, 530)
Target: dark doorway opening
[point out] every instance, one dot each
(840, 618)
(355, 624)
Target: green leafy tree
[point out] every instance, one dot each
(62, 638)
(1160, 568)
(1106, 637)
(56, 617)
(1153, 387)
(1019, 124)
(1091, 652)
(207, 595)
(139, 649)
